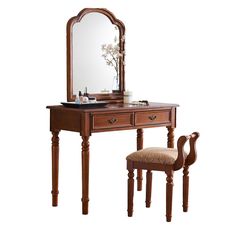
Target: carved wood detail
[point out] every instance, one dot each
(182, 159)
(170, 137)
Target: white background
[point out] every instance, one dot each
(177, 51)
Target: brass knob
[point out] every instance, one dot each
(152, 117)
(112, 120)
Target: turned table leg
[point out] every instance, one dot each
(55, 167)
(139, 146)
(85, 174)
(170, 137)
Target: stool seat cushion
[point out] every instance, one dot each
(158, 155)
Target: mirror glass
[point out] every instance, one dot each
(95, 54)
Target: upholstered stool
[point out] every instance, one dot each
(162, 159)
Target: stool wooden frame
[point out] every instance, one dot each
(183, 160)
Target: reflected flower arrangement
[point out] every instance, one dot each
(112, 54)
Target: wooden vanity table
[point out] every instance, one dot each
(95, 56)
(110, 118)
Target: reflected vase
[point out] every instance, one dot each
(115, 84)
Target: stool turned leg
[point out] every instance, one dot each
(139, 180)
(185, 188)
(148, 188)
(169, 193)
(130, 192)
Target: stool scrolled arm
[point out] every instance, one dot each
(183, 158)
(192, 156)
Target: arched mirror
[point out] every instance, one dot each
(95, 55)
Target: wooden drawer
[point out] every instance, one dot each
(152, 117)
(110, 121)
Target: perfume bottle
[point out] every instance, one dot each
(80, 97)
(85, 97)
(77, 98)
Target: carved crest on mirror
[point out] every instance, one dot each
(95, 55)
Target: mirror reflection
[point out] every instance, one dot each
(96, 54)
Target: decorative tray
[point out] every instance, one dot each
(85, 105)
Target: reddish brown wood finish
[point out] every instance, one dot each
(185, 188)
(183, 160)
(139, 146)
(85, 174)
(169, 193)
(111, 121)
(112, 97)
(55, 167)
(148, 188)
(170, 137)
(65, 119)
(130, 192)
(152, 117)
(87, 121)
(139, 139)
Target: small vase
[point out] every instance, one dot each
(115, 85)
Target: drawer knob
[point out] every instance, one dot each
(112, 120)
(152, 117)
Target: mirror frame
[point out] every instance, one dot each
(110, 97)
